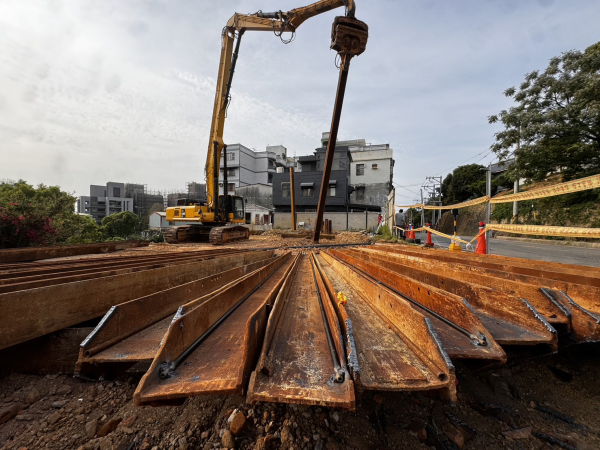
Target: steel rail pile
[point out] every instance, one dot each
(41, 298)
(309, 326)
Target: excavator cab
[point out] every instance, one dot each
(235, 206)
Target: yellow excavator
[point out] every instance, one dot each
(221, 217)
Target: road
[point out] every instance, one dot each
(531, 250)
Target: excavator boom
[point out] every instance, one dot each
(223, 210)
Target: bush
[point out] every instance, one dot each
(121, 225)
(38, 216)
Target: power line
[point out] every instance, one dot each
(485, 151)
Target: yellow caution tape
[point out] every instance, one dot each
(542, 230)
(568, 187)
(475, 201)
(439, 233)
(342, 299)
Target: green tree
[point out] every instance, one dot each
(42, 215)
(556, 119)
(120, 225)
(463, 183)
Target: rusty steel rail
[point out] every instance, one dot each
(35, 312)
(553, 271)
(298, 362)
(390, 345)
(36, 281)
(205, 349)
(50, 267)
(511, 320)
(575, 307)
(60, 251)
(460, 330)
(131, 332)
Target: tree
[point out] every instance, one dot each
(37, 216)
(464, 183)
(556, 120)
(120, 225)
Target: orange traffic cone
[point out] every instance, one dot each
(411, 234)
(429, 243)
(481, 247)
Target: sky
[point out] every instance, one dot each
(96, 91)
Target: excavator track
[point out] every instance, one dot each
(226, 234)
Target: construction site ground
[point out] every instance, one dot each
(533, 402)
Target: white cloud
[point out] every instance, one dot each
(94, 91)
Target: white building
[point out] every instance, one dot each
(371, 173)
(104, 201)
(246, 167)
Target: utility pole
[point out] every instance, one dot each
(293, 198)
(488, 208)
(422, 210)
(516, 189)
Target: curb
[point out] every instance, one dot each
(550, 242)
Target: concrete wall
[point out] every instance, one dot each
(356, 221)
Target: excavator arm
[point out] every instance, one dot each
(277, 22)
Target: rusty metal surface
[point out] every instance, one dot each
(133, 330)
(510, 320)
(388, 359)
(578, 310)
(184, 365)
(450, 307)
(301, 367)
(59, 251)
(36, 312)
(64, 266)
(25, 281)
(552, 271)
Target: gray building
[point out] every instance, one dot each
(142, 198)
(246, 167)
(104, 201)
(360, 180)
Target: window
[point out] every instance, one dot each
(307, 191)
(230, 156)
(360, 193)
(231, 172)
(116, 192)
(285, 190)
(373, 166)
(270, 178)
(248, 218)
(360, 169)
(230, 187)
(331, 190)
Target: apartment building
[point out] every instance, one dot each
(104, 201)
(247, 167)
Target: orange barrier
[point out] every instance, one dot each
(481, 246)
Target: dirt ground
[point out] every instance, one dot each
(267, 239)
(553, 401)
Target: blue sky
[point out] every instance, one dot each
(122, 91)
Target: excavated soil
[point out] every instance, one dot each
(551, 401)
